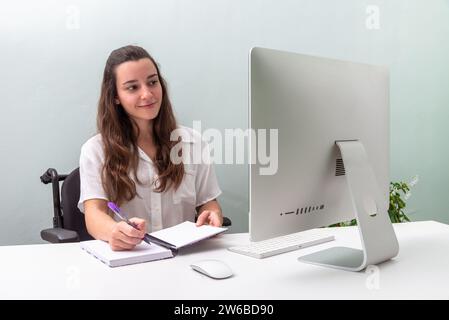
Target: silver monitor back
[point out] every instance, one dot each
(313, 102)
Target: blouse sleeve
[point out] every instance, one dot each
(91, 163)
(206, 183)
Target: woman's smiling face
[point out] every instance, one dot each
(139, 89)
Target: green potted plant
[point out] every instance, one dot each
(399, 193)
(397, 203)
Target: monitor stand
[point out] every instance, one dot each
(376, 232)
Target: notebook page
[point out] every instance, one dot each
(187, 233)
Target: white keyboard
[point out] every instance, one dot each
(278, 245)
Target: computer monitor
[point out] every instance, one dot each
(332, 119)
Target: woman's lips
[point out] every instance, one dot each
(148, 105)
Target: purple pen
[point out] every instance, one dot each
(116, 211)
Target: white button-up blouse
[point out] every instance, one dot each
(160, 210)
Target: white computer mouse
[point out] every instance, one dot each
(212, 268)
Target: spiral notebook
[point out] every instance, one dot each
(143, 252)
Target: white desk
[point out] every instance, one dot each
(64, 271)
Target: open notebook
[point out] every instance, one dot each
(183, 234)
(164, 244)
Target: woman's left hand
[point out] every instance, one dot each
(211, 217)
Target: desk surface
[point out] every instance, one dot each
(64, 271)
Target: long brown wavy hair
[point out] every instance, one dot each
(119, 134)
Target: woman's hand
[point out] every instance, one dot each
(211, 217)
(126, 237)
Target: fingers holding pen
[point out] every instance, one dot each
(125, 237)
(126, 234)
(140, 224)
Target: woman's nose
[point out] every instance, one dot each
(146, 93)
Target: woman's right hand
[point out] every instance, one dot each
(126, 237)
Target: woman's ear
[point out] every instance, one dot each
(117, 101)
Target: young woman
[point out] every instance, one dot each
(128, 162)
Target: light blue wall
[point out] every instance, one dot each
(52, 61)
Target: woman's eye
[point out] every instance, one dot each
(152, 83)
(131, 88)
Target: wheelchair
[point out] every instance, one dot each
(68, 221)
